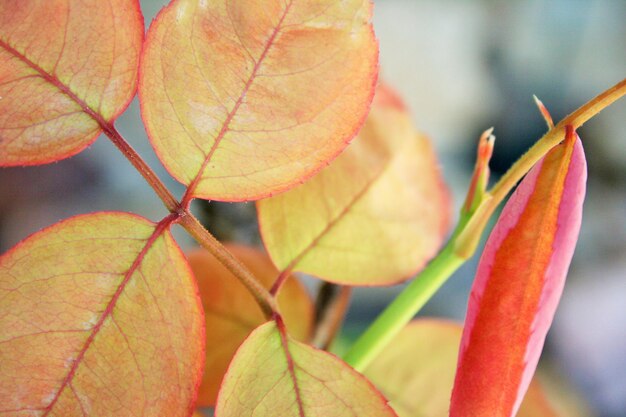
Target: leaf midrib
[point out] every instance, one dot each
(340, 216)
(161, 227)
(280, 327)
(189, 193)
(54, 81)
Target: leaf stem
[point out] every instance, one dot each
(280, 280)
(554, 136)
(403, 308)
(330, 310)
(191, 224)
(140, 165)
(206, 240)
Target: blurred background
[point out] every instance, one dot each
(461, 67)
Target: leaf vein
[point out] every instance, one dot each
(226, 125)
(158, 231)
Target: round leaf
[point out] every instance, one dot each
(66, 67)
(374, 217)
(273, 375)
(231, 312)
(243, 98)
(99, 316)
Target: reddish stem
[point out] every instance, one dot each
(282, 277)
(331, 313)
(107, 127)
(180, 210)
(206, 240)
(140, 165)
(192, 225)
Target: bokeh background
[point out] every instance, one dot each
(461, 67)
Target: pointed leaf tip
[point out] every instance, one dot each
(544, 112)
(480, 177)
(519, 282)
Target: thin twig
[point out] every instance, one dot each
(192, 225)
(331, 307)
(206, 240)
(140, 165)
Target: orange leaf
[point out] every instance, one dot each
(416, 371)
(518, 284)
(231, 312)
(66, 68)
(244, 98)
(100, 316)
(374, 217)
(273, 375)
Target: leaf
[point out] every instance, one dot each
(416, 371)
(273, 375)
(231, 312)
(99, 315)
(66, 69)
(242, 99)
(374, 217)
(518, 285)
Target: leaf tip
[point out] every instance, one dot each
(544, 112)
(480, 177)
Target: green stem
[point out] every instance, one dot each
(403, 308)
(468, 239)
(464, 241)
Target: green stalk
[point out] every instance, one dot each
(403, 308)
(464, 241)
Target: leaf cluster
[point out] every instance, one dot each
(277, 102)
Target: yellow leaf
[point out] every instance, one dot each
(374, 217)
(242, 99)
(100, 316)
(273, 375)
(231, 312)
(65, 69)
(416, 372)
